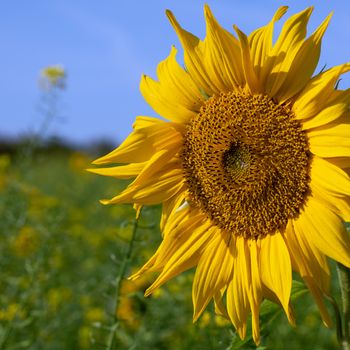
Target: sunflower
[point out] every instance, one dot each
(249, 165)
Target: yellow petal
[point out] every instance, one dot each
(236, 296)
(332, 140)
(175, 96)
(169, 207)
(214, 271)
(181, 226)
(142, 170)
(186, 251)
(311, 262)
(338, 204)
(316, 94)
(284, 51)
(187, 225)
(184, 263)
(275, 265)
(151, 192)
(303, 64)
(142, 143)
(270, 295)
(153, 93)
(120, 172)
(137, 208)
(325, 230)
(178, 216)
(178, 84)
(337, 106)
(160, 162)
(194, 58)
(142, 121)
(255, 296)
(223, 54)
(312, 266)
(245, 290)
(220, 308)
(343, 206)
(260, 42)
(184, 218)
(145, 268)
(341, 162)
(249, 71)
(329, 177)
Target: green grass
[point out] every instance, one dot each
(60, 253)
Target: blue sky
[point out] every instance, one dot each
(106, 45)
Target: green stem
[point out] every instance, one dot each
(337, 315)
(344, 282)
(111, 341)
(6, 335)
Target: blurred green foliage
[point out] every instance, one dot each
(61, 250)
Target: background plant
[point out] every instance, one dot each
(64, 258)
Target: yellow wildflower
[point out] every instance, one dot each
(26, 242)
(53, 76)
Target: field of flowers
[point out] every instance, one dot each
(61, 252)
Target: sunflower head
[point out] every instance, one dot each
(250, 166)
(246, 163)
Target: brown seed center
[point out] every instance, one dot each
(246, 162)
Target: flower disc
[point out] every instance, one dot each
(246, 162)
